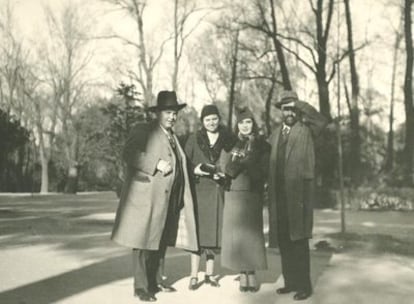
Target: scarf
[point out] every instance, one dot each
(225, 141)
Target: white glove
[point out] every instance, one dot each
(164, 167)
(199, 172)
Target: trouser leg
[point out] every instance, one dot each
(140, 259)
(301, 264)
(285, 248)
(154, 259)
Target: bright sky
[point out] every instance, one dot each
(370, 20)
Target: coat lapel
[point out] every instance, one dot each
(164, 142)
(274, 143)
(293, 136)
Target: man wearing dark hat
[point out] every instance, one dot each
(291, 189)
(156, 207)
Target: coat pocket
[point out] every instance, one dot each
(140, 176)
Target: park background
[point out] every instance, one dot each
(76, 76)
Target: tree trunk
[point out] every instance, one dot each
(233, 81)
(322, 34)
(44, 184)
(176, 59)
(408, 94)
(279, 52)
(389, 164)
(355, 149)
(268, 106)
(323, 91)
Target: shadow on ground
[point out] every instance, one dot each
(117, 268)
(80, 226)
(375, 243)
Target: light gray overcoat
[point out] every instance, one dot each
(142, 211)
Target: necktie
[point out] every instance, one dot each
(285, 133)
(171, 139)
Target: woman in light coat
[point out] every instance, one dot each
(243, 244)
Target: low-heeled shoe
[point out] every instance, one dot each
(284, 290)
(144, 295)
(302, 295)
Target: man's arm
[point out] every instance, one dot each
(311, 117)
(135, 154)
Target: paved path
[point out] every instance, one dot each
(57, 250)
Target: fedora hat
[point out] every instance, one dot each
(167, 100)
(286, 97)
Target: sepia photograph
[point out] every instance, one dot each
(206, 151)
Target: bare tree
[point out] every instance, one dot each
(233, 79)
(408, 93)
(147, 60)
(389, 160)
(355, 145)
(270, 29)
(13, 56)
(67, 58)
(279, 50)
(183, 11)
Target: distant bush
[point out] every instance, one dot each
(399, 199)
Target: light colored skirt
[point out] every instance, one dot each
(243, 244)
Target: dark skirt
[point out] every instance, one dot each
(243, 244)
(210, 198)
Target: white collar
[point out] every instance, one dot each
(165, 130)
(212, 137)
(285, 126)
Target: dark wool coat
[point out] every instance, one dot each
(243, 243)
(298, 176)
(142, 211)
(210, 194)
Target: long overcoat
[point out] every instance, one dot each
(144, 201)
(299, 174)
(210, 194)
(243, 243)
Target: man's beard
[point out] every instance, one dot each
(290, 120)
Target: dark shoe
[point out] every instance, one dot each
(253, 288)
(284, 290)
(208, 279)
(144, 296)
(165, 288)
(302, 295)
(193, 283)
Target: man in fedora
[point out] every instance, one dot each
(291, 190)
(156, 206)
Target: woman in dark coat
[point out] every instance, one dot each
(203, 150)
(243, 244)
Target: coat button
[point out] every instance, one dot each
(166, 191)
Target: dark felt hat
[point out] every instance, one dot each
(167, 100)
(285, 97)
(209, 110)
(243, 113)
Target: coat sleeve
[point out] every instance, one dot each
(189, 150)
(311, 117)
(253, 162)
(308, 169)
(135, 152)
